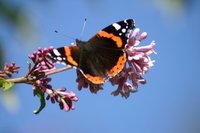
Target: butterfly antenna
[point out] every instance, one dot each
(83, 29)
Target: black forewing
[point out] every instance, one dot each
(127, 25)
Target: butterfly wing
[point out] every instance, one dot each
(67, 55)
(103, 56)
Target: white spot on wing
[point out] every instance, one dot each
(55, 51)
(117, 26)
(125, 21)
(123, 30)
(59, 58)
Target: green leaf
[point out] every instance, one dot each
(7, 86)
(4, 85)
(40, 95)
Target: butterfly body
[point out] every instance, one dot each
(102, 56)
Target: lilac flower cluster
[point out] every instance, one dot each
(64, 99)
(41, 64)
(9, 70)
(138, 63)
(41, 81)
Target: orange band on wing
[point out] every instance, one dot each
(69, 57)
(95, 79)
(119, 66)
(117, 39)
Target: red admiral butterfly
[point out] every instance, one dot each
(102, 56)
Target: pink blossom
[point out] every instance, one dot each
(41, 81)
(65, 99)
(42, 64)
(137, 64)
(9, 70)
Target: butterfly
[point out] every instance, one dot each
(101, 57)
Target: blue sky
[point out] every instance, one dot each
(168, 103)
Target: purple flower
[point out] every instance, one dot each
(65, 99)
(41, 81)
(9, 70)
(124, 88)
(42, 64)
(138, 63)
(42, 84)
